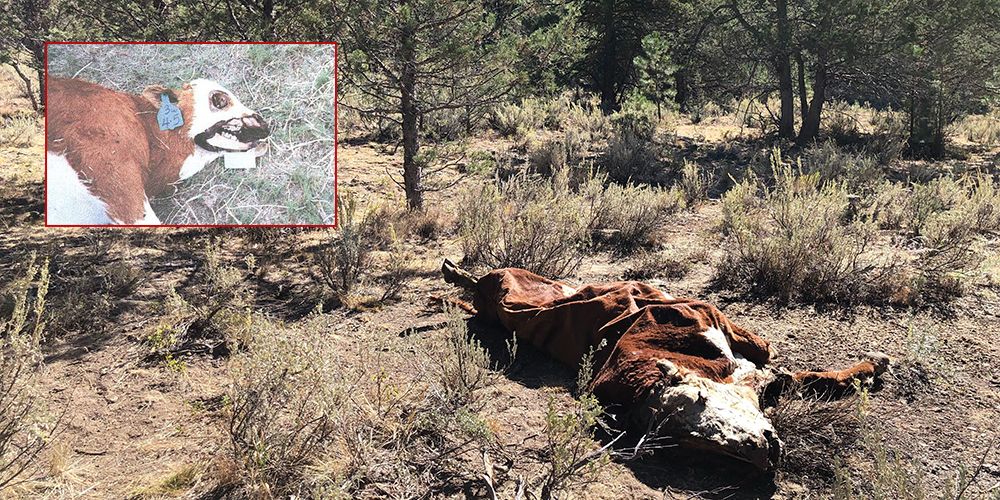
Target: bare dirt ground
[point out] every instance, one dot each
(133, 428)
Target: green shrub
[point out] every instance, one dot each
(861, 174)
(629, 217)
(793, 241)
(693, 184)
(510, 120)
(523, 222)
(632, 154)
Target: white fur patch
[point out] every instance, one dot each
(149, 216)
(196, 162)
(744, 366)
(68, 199)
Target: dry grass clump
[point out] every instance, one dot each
(794, 241)
(18, 131)
(982, 129)
(815, 432)
(24, 429)
(345, 264)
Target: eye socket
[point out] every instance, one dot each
(220, 100)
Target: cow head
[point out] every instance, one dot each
(221, 123)
(717, 418)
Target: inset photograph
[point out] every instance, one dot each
(190, 134)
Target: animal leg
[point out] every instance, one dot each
(458, 276)
(840, 383)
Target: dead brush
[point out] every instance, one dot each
(278, 417)
(24, 429)
(215, 319)
(815, 430)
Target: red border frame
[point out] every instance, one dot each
(336, 126)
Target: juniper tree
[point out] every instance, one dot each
(413, 58)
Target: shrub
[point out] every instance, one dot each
(216, 319)
(793, 242)
(693, 184)
(278, 414)
(861, 174)
(17, 131)
(343, 260)
(982, 129)
(629, 217)
(550, 155)
(523, 222)
(511, 120)
(889, 137)
(24, 432)
(572, 457)
(841, 121)
(464, 369)
(632, 154)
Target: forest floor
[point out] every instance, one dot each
(133, 428)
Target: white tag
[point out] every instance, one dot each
(244, 160)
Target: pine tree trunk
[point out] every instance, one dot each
(783, 67)
(608, 66)
(803, 96)
(412, 175)
(810, 125)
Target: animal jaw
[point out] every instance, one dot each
(221, 123)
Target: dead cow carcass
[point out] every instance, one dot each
(681, 369)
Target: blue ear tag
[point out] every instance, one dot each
(169, 116)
